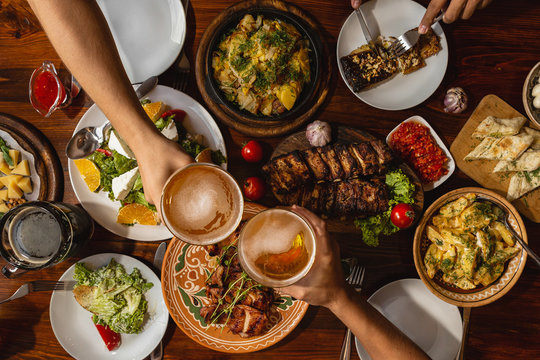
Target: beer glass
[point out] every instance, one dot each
(39, 234)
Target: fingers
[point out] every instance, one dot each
(318, 225)
(433, 9)
(356, 3)
(455, 8)
(473, 5)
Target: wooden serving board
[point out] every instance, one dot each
(482, 170)
(343, 134)
(47, 164)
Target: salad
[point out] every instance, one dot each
(113, 168)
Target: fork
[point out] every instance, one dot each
(355, 279)
(40, 285)
(181, 76)
(406, 41)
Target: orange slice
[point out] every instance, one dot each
(89, 172)
(154, 110)
(136, 214)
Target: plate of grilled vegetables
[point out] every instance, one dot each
(215, 302)
(371, 71)
(352, 182)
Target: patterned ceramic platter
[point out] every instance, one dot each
(481, 295)
(185, 269)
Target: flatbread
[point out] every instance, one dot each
(522, 183)
(506, 148)
(497, 127)
(536, 135)
(528, 161)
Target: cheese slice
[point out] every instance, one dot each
(122, 184)
(506, 148)
(170, 131)
(117, 144)
(522, 183)
(528, 161)
(536, 135)
(497, 127)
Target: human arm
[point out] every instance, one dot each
(463, 9)
(325, 285)
(80, 34)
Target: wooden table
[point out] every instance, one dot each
(491, 53)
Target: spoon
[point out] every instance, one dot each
(89, 139)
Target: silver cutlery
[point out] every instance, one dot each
(157, 354)
(406, 41)
(466, 316)
(365, 30)
(524, 245)
(40, 285)
(181, 75)
(89, 139)
(355, 278)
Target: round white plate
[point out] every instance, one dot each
(149, 34)
(73, 327)
(434, 325)
(103, 210)
(393, 18)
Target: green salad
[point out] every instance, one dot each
(115, 297)
(401, 190)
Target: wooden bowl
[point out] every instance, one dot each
(311, 97)
(481, 295)
(532, 79)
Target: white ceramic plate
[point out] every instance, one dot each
(393, 18)
(450, 165)
(99, 206)
(434, 325)
(149, 34)
(72, 324)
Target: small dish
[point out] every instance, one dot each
(481, 295)
(72, 324)
(407, 303)
(450, 165)
(532, 79)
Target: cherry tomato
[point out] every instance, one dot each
(254, 188)
(106, 152)
(179, 115)
(403, 215)
(252, 151)
(110, 338)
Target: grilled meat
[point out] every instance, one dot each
(318, 167)
(366, 157)
(348, 162)
(287, 172)
(247, 321)
(328, 155)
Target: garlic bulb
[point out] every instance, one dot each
(318, 133)
(455, 100)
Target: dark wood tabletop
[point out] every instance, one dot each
(491, 53)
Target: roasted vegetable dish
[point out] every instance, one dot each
(262, 65)
(469, 245)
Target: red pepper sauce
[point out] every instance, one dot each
(414, 144)
(46, 90)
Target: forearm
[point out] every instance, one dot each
(380, 338)
(80, 34)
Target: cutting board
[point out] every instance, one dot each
(298, 141)
(482, 170)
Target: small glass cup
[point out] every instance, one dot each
(39, 234)
(47, 91)
(201, 204)
(277, 247)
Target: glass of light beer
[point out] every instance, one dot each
(201, 204)
(277, 247)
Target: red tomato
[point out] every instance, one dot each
(106, 152)
(110, 338)
(403, 215)
(179, 115)
(252, 151)
(254, 188)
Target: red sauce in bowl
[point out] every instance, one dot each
(45, 91)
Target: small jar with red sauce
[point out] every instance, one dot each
(46, 90)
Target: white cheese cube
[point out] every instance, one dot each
(116, 143)
(170, 131)
(122, 185)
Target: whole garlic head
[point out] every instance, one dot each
(455, 100)
(318, 133)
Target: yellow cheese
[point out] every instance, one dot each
(14, 154)
(4, 167)
(21, 168)
(25, 184)
(14, 192)
(6, 180)
(3, 208)
(3, 195)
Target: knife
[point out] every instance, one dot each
(146, 86)
(365, 30)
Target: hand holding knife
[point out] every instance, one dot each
(365, 30)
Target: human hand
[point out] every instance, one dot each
(456, 9)
(356, 4)
(324, 283)
(157, 163)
